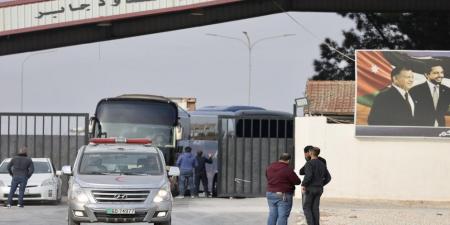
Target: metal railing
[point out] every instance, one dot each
(54, 135)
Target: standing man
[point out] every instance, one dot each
(308, 157)
(316, 176)
(200, 173)
(431, 98)
(394, 106)
(20, 168)
(281, 181)
(186, 163)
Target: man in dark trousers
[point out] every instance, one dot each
(200, 173)
(20, 168)
(431, 98)
(186, 163)
(316, 176)
(308, 157)
(281, 181)
(394, 106)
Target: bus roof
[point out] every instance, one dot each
(143, 97)
(232, 108)
(238, 111)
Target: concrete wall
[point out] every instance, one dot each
(376, 168)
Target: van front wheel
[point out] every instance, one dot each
(169, 222)
(71, 221)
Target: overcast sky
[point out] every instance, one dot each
(184, 63)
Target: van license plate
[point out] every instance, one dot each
(120, 211)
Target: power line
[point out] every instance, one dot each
(310, 32)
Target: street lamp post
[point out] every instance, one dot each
(22, 72)
(250, 45)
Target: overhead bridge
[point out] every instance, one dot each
(31, 25)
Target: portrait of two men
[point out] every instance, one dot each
(402, 93)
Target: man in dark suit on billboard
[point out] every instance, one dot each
(394, 106)
(431, 98)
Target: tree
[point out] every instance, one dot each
(421, 31)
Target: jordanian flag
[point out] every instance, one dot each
(373, 74)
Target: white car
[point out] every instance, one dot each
(44, 184)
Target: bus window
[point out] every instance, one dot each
(281, 128)
(256, 128)
(203, 127)
(273, 128)
(265, 128)
(290, 129)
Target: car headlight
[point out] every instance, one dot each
(78, 194)
(48, 182)
(163, 194)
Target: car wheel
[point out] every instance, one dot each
(70, 220)
(56, 202)
(169, 222)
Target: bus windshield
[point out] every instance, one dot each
(138, 119)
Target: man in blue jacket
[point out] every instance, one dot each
(186, 163)
(20, 168)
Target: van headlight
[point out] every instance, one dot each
(163, 194)
(78, 194)
(48, 182)
(2, 184)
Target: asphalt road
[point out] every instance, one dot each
(253, 211)
(199, 211)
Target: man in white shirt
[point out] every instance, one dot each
(431, 98)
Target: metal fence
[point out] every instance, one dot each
(54, 135)
(247, 145)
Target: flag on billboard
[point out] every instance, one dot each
(374, 72)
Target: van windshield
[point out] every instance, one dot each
(105, 163)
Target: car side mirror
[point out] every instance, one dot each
(67, 170)
(174, 171)
(58, 173)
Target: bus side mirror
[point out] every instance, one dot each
(95, 129)
(178, 132)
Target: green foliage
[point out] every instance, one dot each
(421, 31)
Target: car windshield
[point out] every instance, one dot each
(105, 163)
(39, 167)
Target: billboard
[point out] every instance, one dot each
(402, 93)
(26, 16)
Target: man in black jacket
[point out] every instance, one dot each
(200, 173)
(316, 176)
(394, 106)
(308, 157)
(431, 98)
(20, 168)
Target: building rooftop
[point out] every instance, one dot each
(330, 97)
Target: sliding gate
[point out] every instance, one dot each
(247, 145)
(51, 135)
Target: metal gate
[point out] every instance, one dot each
(51, 135)
(247, 145)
